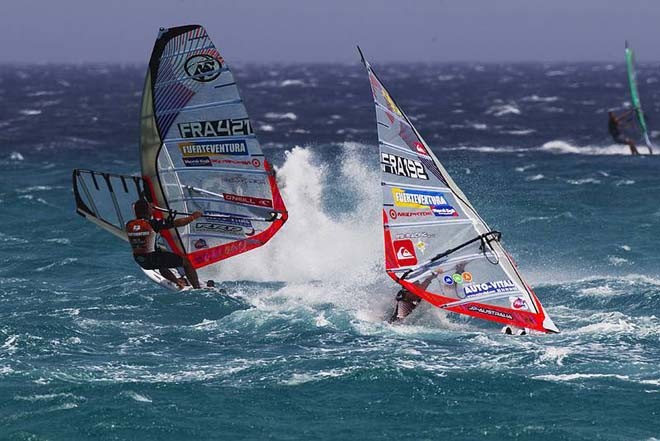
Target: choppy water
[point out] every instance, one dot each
(91, 350)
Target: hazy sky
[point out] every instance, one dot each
(327, 31)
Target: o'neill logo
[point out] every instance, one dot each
(405, 252)
(203, 68)
(249, 200)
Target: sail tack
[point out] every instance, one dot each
(199, 151)
(634, 96)
(436, 244)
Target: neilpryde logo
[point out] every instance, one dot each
(203, 68)
(423, 199)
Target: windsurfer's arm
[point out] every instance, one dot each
(186, 220)
(626, 115)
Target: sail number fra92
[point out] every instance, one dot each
(396, 165)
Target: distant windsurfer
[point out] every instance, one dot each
(616, 123)
(142, 237)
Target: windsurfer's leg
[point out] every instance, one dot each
(633, 149)
(165, 272)
(191, 273)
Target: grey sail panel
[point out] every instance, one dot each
(106, 199)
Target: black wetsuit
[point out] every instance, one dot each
(613, 127)
(158, 258)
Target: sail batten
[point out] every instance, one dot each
(436, 244)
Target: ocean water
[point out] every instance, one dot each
(89, 349)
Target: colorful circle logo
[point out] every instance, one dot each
(393, 214)
(467, 277)
(256, 163)
(457, 278)
(448, 280)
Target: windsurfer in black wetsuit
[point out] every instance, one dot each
(615, 124)
(142, 233)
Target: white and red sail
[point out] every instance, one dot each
(436, 244)
(199, 151)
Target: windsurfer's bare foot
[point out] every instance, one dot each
(181, 283)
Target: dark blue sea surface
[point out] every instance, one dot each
(90, 349)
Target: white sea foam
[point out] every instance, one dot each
(140, 398)
(541, 99)
(316, 244)
(617, 261)
(521, 132)
(66, 261)
(289, 115)
(503, 109)
(30, 112)
(563, 147)
(15, 156)
(583, 181)
(537, 177)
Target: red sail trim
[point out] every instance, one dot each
(518, 318)
(390, 255)
(521, 319)
(209, 256)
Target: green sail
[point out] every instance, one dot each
(634, 93)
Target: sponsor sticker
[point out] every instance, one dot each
(448, 280)
(395, 214)
(214, 227)
(233, 148)
(518, 303)
(421, 246)
(249, 200)
(423, 199)
(242, 180)
(490, 312)
(217, 128)
(203, 67)
(405, 252)
(202, 161)
(420, 148)
(467, 277)
(489, 288)
(457, 278)
(396, 165)
(200, 243)
(415, 235)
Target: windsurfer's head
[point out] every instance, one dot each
(142, 209)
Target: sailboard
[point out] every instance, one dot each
(634, 95)
(436, 244)
(198, 152)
